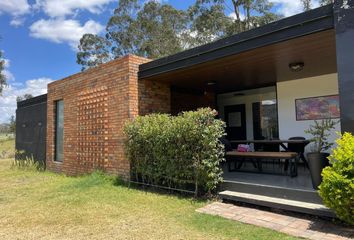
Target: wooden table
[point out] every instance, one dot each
(238, 159)
(274, 141)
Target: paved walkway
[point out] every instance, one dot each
(305, 227)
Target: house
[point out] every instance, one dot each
(266, 82)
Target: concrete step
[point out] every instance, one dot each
(279, 203)
(303, 195)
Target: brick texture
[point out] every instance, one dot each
(187, 101)
(97, 103)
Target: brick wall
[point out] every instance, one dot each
(97, 103)
(154, 97)
(184, 100)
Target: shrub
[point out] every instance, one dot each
(177, 151)
(337, 187)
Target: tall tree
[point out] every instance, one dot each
(93, 50)
(243, 15)
(2, 75)
(153, 30)
(307, 5)
(208, 22)
(13, 124)
(147, 29)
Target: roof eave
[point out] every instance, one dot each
(313, 21)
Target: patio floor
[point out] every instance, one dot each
(298, 225)
(302, 181)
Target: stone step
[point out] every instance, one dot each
(303, 195)
(279, 203)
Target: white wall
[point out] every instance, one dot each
(288, 91)
(249, 97)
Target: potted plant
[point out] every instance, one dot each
(317, 158)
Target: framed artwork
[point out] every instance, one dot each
(316, 108)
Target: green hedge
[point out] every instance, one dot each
(337, 187)
(181, 151)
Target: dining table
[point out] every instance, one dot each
(280, 142)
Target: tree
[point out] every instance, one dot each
(208, 22)
(2, 76)
(24, 97)
(12, 124)
(326, 2)
(244, 14)
(148, 29)
(306, 4)
(153, 30)
(93, 51)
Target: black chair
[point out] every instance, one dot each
(298, 148)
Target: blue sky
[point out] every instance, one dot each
(39, 39)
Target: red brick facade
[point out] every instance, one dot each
(97, 104)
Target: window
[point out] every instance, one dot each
(59, 130)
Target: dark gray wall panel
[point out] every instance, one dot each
(344, 26)
(31, 125)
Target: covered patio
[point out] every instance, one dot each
(248, 78)
(254, 78)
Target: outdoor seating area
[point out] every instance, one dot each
(236, 160)
(264, 157)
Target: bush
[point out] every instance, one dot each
(177, 151)
(337, 187)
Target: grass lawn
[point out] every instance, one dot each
(7, 147)
(7, 144)
(42, 205)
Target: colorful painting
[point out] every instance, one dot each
(317, 108)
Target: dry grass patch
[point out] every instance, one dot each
(7, 147)
(38, 205)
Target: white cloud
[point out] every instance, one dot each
(61, 8)
(289, 8)
(15, 8)
(8, 102)
(64, 31)
(17, 21)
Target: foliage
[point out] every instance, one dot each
(27, 163)
(177, 151)
(24, 97)
(208, 23)
(320, 132)
(326, 2)
(13, 124)
(245, 15)
(337, 187)
(24, 160)
(2, 76)
(148, 29)
(306, 4)
(93, 51)
(152, 29)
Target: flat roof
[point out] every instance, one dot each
(32, 101)
(313, 21)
